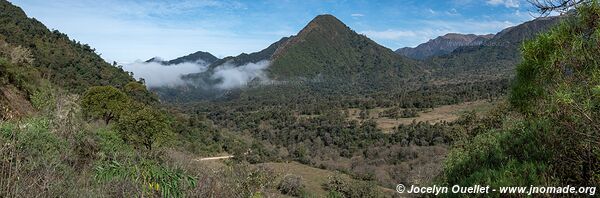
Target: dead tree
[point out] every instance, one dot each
(546, 7)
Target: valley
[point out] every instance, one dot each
(325, 112)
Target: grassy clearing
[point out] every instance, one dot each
(313, 178)
(446, 113)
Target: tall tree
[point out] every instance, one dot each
(138, 92)
(104, 102)
(144, 127)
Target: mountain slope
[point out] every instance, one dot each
(65, 62)
(443, 45)
(199, 56)
(265, 54)
(496, 58)
(518, 34)
(328, 47)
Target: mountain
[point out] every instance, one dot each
(325, 52)
(328, 47)
(199, 56)
(525, 31)
(443, 45)
(265, 54)
(495, 58)
(65, 62)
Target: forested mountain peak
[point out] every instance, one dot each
(325, 23)
(326, 46)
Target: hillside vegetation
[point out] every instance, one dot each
(64, 62)
(549, 135)
(328, 47)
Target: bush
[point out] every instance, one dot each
(150, 176)
(336, 185)
(33, 161)
(291, 185)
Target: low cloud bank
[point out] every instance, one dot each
(157, 75)
(231, 76)
(222, 77)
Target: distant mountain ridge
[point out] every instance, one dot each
(328, 52)
(517, 34)
(265, 54)
(443, 45)
(495, 58)
(199, 56)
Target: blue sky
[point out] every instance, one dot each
(129, 30)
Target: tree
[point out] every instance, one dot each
(138, 92)
(104, 102)
(545, 7)
(145, 126)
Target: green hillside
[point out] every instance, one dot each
(63, 61)
(327, 47)
(548, 134)
(72, 125)
(265, 54)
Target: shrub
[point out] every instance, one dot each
(337, 185)
(291, 185)
(150, 176)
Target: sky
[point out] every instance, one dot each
(130, 30)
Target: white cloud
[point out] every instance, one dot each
(229, 76)
(156, 74)
(506, 3)
(357, 15)
(431, 11)
(452, 12)
(239, 76)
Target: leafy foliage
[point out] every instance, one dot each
(138, 92)
(556, 110)
(144, 126)
(104, 102)
(153, 177)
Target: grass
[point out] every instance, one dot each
(313, 178)
(446, 113)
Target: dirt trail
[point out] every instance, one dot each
(214, 158)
